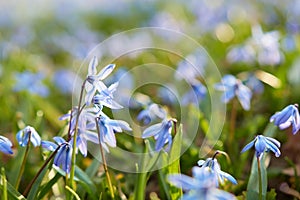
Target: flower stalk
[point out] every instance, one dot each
(259, 178)
(104, 161)
(73, 161)
(23, 163)
(28, 188)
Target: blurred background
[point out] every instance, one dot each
(43, 44)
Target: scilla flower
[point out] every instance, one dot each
(263, 144)
(105, 98)
(161, 133)
(214, 166)
(150, 113)
(234, 87)
(202, 186)
(26, 134)
(64, 153)
(289, 116)
(108, 127)
(5, 145)
(94, 81)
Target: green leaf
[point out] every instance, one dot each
(48, 186)
(86, 182)
(90, 172)
(35, 187)
(253, 186)
(12, 192)
(174, 162)
(271, 195)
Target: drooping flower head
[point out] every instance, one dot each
(202, 186)
(234, 87)
(94, 81)
(63, 156)
(26, 134)
(108, 127)
(215, 168)
(150, 113)
(289, 116)
(161, 132)
(197, 93)
(263, 144)
(5, 145)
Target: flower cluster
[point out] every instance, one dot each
(205, 181)
(85, 121)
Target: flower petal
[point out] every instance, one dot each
(152, 130)
(92, 66)
(105, 71)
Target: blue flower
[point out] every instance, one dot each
(63, 156)
(168, 94)
(267, 46)
(26, 134)
(214, 166)
(150, 113)
(192, 67)
(202, 186)
(241, 53)
(105, 98)
(161, 133)
(197, 93)
(263, 144)
(32, 83)
(254, 84)
(64, 80)
(5, 145)
(234, 87)
(289, 116)
(94, 81)
(108, 127)
(85, 128)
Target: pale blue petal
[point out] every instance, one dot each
(59, 140)
(184, 182)
(244, 95)
(248, 146)
(49, 145)
(92, 66)
(5, 145)
(91, 136)
(35, 138)
(152, 130)
(105, 71)
(228, 95)
(276, 142)
(228, 177)
(200, 163)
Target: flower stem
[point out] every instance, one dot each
(259, 178)
(4, 182)
(232, 121)
(39, 172)
(104, 161)
(23, 163)
(73, 160)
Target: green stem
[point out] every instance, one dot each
(259, 178)
(104, 162)
(232, 121)
(73, 160)
(28, 188)
(23, 163)
(4, 182)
